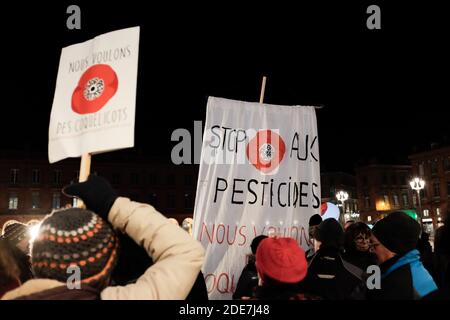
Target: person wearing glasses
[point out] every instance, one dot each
(403, 276)
(357, 246)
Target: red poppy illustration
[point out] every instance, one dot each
(266, 150)
(323, 208)
(96, 86)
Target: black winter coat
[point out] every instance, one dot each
(282, 292)
(360, 259)
(247, 282)
(331, 277)
(441, 259)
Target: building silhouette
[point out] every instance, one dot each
(30, 187)
(433, 166)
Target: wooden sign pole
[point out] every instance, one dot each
(85, 169)
(263, 90)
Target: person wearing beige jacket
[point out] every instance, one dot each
(81, 239)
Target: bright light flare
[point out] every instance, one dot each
(33, 231)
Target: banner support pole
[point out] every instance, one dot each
(263, 89)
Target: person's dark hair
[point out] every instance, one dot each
(255, 243)
(352, 232)
(330, 234)
(312, 231)
(315, 220)
(442, 239)
(9, 269)
(425, 236)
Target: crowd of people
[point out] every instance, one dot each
(119, 249)
(388, 262)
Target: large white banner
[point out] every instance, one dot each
(259, 174)
(95, 98)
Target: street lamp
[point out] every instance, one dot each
(418, 184)
(342, 196)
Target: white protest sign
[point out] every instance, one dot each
(95, 98)
(259, 174)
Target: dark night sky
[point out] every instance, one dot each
(384, 91)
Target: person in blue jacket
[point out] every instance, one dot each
(403, 276)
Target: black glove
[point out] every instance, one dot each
(96, 193)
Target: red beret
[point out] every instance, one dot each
(281, 259)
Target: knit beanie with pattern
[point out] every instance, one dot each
(75, 238)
